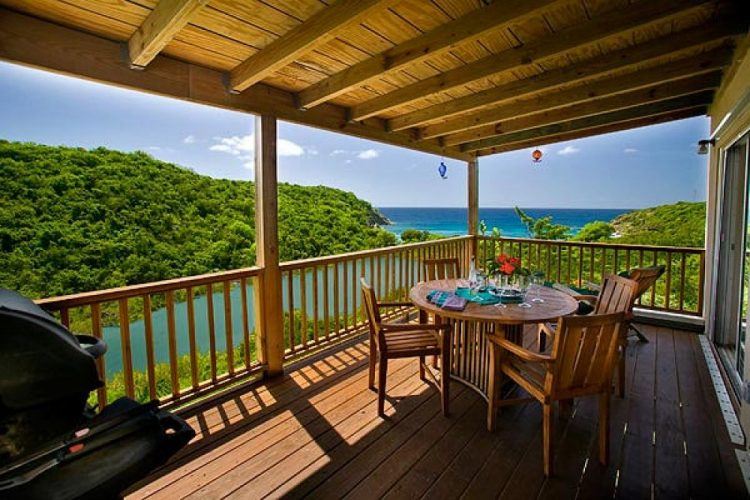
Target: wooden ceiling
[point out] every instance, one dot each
(457, 77)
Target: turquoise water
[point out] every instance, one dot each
(452, 221)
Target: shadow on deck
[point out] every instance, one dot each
(315, 432)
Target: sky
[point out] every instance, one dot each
(631, 169)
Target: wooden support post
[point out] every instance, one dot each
(268, 302)
(472, 168)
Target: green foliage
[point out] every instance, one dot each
(416, 236)
(679, 224)
(595, 231)
(542, 228)
(73, 220)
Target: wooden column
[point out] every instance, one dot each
(268, 305)
(472, 169)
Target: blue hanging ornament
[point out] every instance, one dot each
(443, 170)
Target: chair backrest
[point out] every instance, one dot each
(616, 295)
(441, 269)
(371, 306)
(646, 277)
(584, 351)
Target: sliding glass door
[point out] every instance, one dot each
(730, 321)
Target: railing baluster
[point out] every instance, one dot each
(127, 355)
(336, 311)
(65, 317)
(172, 341)
(315, 303)
(668, 294)
(228, 333)
(211, 329)
(245, 322)
(580, 265)
(701, 281)
(148, 330)
(653, 288)
(191, 339)
(682, 282)
(326, 312)
(345, 269)
(290, 300)
(303, 306)
(96, 331)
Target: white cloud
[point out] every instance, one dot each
(243, 147)
(629, 150)
(337, 152)
(289, 148)
(368, 154)
(154, 148)
(568, 150)
(189, 139)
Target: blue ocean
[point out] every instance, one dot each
(452, 221)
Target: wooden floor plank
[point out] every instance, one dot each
(315, 432)
(670, 461)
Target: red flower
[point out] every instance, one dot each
(507, 268)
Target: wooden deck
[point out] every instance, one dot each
(315, 433)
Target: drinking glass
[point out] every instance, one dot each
(537, 279)
(523, 286)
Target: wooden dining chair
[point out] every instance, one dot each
(442, 269)
(617, 294)
(391, 341)
(581, 363)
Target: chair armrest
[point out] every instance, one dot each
(390, 327)
(593, 286)
(522, 353)
(395, 304)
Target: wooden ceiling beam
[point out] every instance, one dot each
(656, 93)
(488, 122)
(598, 66)
(684, 102)
(48, 46)
(318, 30)
(159, 28)
(593, 131)
(446, 37)
(618, 22)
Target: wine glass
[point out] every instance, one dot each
(523, 287)
(537, 279)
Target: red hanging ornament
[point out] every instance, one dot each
(536, 155)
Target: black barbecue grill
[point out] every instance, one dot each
(52, 443)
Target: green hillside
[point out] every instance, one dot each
(73, 219)
(680, 224)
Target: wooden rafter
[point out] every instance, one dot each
(599, 66)
(477, 23)
(33, 42)
(655, 93)
(487, 120)
(614, 23)
(598, 130)
(316, 31)
(684, 102)
(158, 29)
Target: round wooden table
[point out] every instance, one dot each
(473, 355)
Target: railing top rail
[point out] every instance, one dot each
(125, 292)
(329, 259)
(623, 246)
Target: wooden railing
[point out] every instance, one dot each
(679, 290)
(322, 296)
(171, 338)
(168, 341)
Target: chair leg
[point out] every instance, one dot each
(383, 367)
(445, 376)
(604, 428)
(493, 387)
(421, 369)
(373, 361)
(547, 439)
(621, 370)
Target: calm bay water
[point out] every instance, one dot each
(452, 221)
